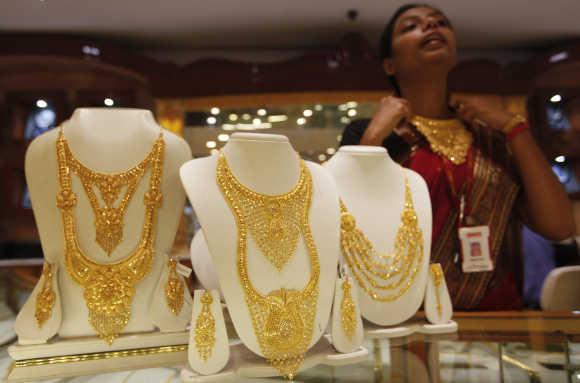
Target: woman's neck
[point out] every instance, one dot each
(427, 96)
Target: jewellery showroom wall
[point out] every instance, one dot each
(309, 98)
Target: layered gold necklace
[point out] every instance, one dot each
(108, 288)
(384, 277)
(448, 138)
(283, 319)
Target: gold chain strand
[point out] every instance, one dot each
(108, 219)
(367, 265)
(347, 310)
(45, 298)
(174, 288)
(448, 138)
(437, 275)
(205, 328)
(273, 221)
(109, 288)
(283, 320)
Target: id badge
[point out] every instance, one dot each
(475, 249)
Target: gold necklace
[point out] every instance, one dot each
(174, 288)
(283, 319)
(448, 138)
(437, 275)
(108, 219)
(347, 310)
(109, 288)
(205, 328)
(370, 267)
(273, 221)
(46, 297)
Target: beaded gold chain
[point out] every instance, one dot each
(372, 269)
(205, 328)
(283, 320)
(108, 219)
(46, 297)
(448, 138)
(174, 288)
(108, 288)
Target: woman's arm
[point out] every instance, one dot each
(548, 208)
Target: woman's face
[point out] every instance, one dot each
(421, 37)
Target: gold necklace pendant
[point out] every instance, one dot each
(283, 320)
(108, 218)
(45, 298)
(448, 138)
(437, 275)
(109, 288)
(347, 311)
(174, 288)
(205, 328)
(376, 272)
(273, 221)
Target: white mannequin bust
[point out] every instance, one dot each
(109, 141)
(372, 186)
(267, 164)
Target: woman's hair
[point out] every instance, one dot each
(386, 43)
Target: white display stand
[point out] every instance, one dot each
(202, 264)
(106, 140)
(244, 364)
(220, 353)
(372, 187)
(269, 165)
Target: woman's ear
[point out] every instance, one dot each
(389, 66)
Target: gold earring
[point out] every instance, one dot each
(174, 288)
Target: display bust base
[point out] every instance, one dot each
(90, 355)
(410, 327)
(244, 363)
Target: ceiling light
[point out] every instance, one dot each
(233, 117)
(215, 111)
(210, 144)
(301, 121)
(261, 112)
(41, 103)
(211, 120)
(556, 98)
(560, 159)
(223, 137)
(108, 101)
(351, 112)
(307, 113)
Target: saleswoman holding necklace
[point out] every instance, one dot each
(482, 165)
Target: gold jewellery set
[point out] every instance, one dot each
(108, 289)
(384, 277)
(283, 320)
(449, 138)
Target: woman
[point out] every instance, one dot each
(481, 164)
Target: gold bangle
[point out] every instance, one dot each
(512, 123)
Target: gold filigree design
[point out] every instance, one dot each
(109, 288)
(283, 320)
(108, 218)
(174, 289)
(46, 297)
(347, 310)
(273, 221)
(372, 269)
(448, 138)
(437, 275)
(205, 328)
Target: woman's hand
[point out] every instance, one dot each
(480, 112)
(390, 113)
